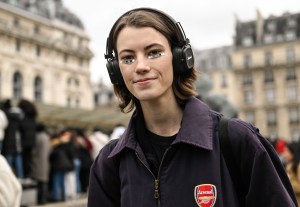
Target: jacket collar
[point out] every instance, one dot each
(196, 128)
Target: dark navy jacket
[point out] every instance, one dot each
(193, 171)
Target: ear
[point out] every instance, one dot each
(114, 72)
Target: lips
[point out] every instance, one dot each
(143, 80)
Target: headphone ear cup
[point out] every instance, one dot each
(114, 72)
(183, 59)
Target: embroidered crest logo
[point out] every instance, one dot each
(205, 195)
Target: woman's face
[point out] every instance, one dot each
(145, 61)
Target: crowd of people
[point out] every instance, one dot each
(56, 160)
(289, 154)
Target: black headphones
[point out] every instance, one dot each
(183, 58)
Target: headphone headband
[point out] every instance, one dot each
(179, 30)
(183, 58)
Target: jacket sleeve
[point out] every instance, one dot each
(264, 179)
(10, 187)
(104, 184)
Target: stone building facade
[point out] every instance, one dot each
(44, 54)
(260, 73)
(266, 62)
(216, 64)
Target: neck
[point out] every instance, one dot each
(163, 117)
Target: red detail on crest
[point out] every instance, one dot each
(205, 195)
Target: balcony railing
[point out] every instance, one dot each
(43, 39)
(275, 64)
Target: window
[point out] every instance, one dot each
(295, 134)
(271, 117)
(224, 81)
(269, 77)
(291, 22)
(80, 62)
(69, 102)
(97, 98)
(36, 29)
(247, 79)
(268, 58)
(250, 117)
(17, 85)
(247, 61)
(18, 45)
(294, 115)
(38, 51)
(247, 41)
(38, 88)
(77, 102)
(16, 22)
(270, 95)
(273, 134)
(268, 38)
(248, 97)
(79, 42)
(292, 93)
(66, 58)
(290, 35)
(291, 74)
(224, 62)
(290, 55)
(279, 37)
(73, 81)
(271, 26)
(76, 82)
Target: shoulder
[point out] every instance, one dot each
(102, 158)
(105, 169)
(246, 140)
(240, 130)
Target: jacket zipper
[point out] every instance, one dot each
(156, 179)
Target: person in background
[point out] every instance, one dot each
(12, 146)
(117, 131)
(170, 155)
(98, 139)
(291, 155)
(40, 162)
(10, 187)
(3, 125)
(279, 147)
(27, 129)
(61, 162)
(84, 147)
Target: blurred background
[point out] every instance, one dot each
(52, 57)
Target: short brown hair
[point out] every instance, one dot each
(183, 84)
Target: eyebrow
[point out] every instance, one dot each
(152, 45)
(145, 48)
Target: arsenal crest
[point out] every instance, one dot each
(205, 195)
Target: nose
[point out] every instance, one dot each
(142, 64)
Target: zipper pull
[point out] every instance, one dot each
(156, 193)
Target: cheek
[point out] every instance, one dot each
(166, 66)
(126, 75)
(124, 72)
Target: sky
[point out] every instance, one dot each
(207, 24)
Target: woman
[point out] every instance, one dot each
(291, 156)
(169, 154)
(28, 133)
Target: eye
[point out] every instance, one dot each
(155, 54)
(127, 59)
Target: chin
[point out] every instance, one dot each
(146, 97)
